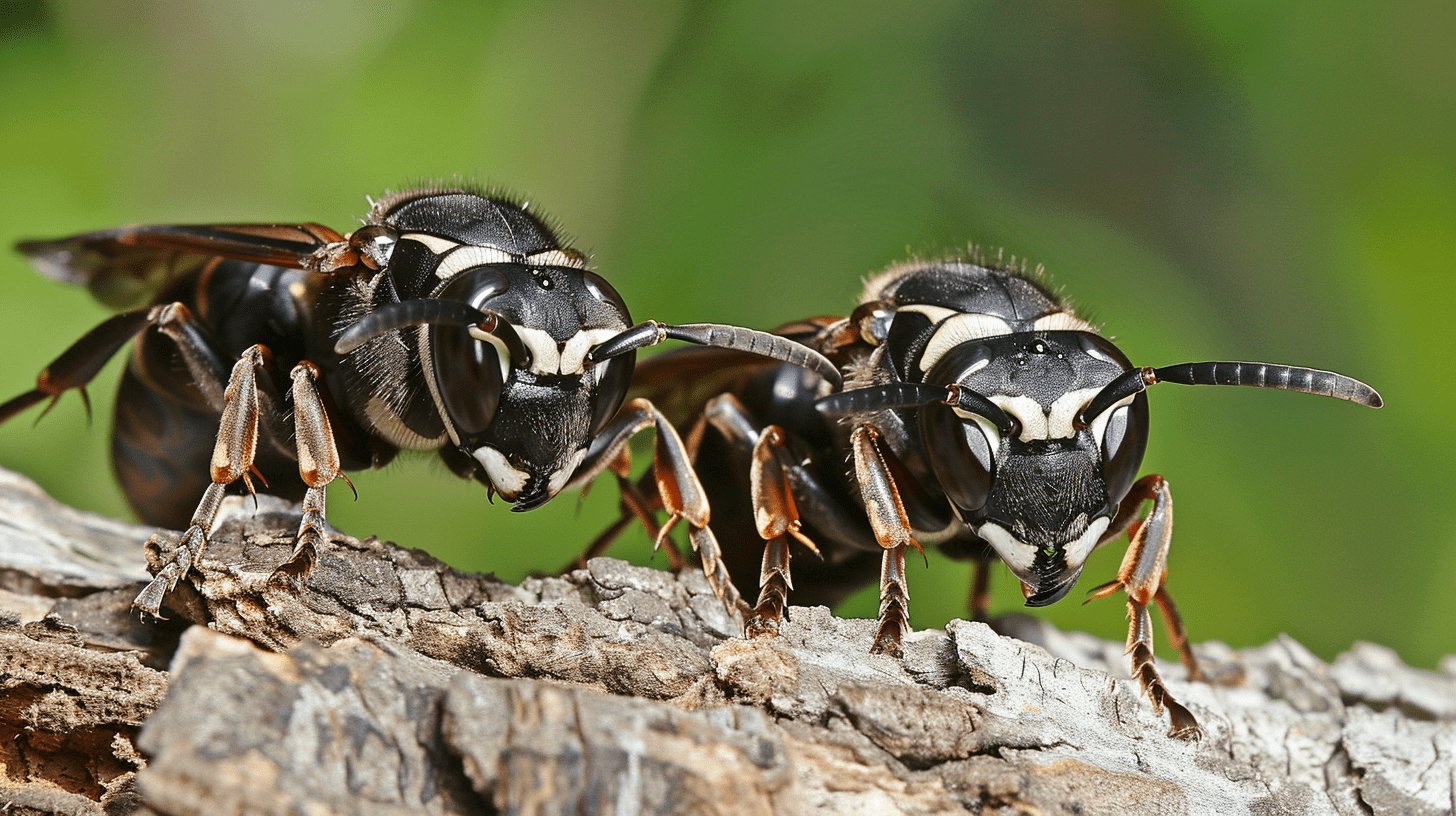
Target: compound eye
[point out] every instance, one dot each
(467, 374)
(613, 378)
(962, 454)
(603, 292)
(1123, 439)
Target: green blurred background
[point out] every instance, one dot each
(1237, 180)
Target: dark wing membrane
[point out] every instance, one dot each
(124, 267)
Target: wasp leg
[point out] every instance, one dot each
(237, 443)
(318, 464)
(80, 363)
(1146, 489)
(892, 530)
(776, 517)
(682, 494)
(1142, 574)
(784, 493)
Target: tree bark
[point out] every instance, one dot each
(389, 683)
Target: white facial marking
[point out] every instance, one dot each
(1017, 554)
(507, 480)
(549, 357)
(470, 256)
(1053, 424)
(1061, 321)
(1064, 412)
(1077, 551)
(573, 356)
(559, 479)
(433, 243)
(958, 329)
(502, 353)
(545, 355)
(1027, 411)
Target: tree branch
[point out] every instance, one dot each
(389, 683)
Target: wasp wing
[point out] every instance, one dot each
(124, 267)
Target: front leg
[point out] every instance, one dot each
(892, 530)
(232, 458)
(318, 464)
(1142, 575)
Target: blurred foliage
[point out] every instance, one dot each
(1235, 180)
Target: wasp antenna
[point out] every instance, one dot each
(1123, 386)
(752, 341)
(879, 398)
(492, 325)
(718, 335)
(1272, 375)
(406, 313)
(642, 335)
(974, 402)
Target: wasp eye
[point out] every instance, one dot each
(962, 454)
(613, 378)
(468, 381)
(1123, 438)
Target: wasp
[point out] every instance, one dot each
(452, 320)
(978, 413)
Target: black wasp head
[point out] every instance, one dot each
(1043, 493)
(506, 316)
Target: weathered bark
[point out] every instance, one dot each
(389, 683)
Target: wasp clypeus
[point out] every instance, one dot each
(978, 414)
(452, 320)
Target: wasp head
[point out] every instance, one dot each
(502, 316)
(1042, 491)
(518, 394)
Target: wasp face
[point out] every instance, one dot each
(527, 407)
(1043, 495)
(518, 396)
